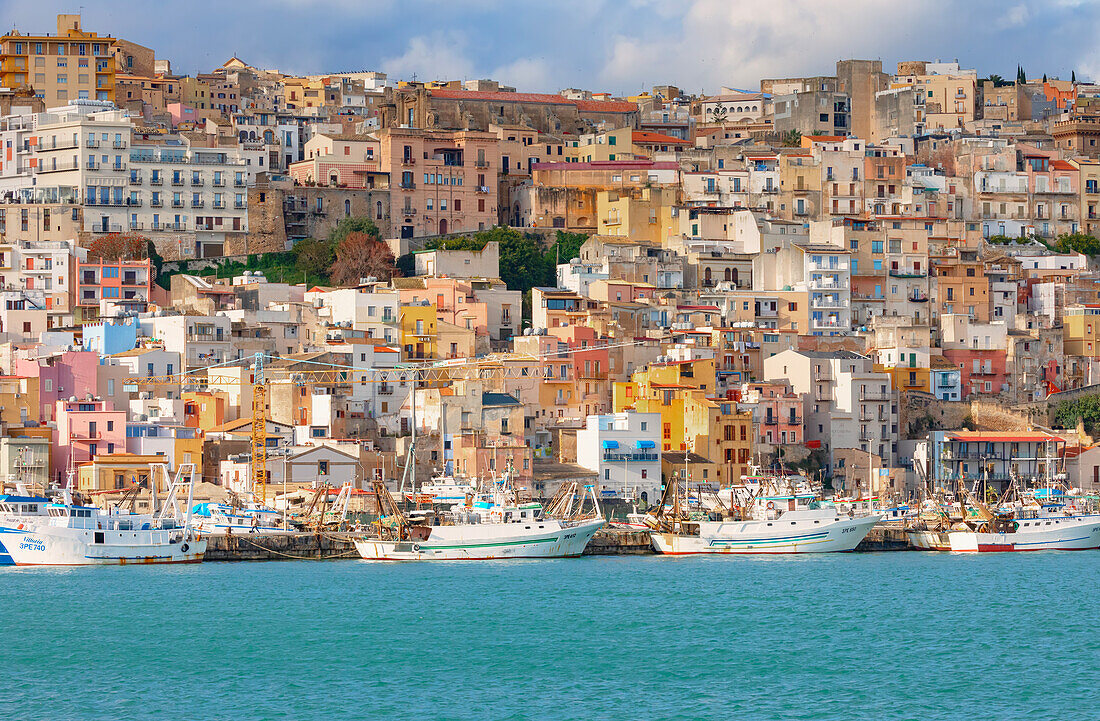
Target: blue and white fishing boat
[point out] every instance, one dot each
(39, 531)
(220, 519)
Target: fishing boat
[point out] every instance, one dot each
(1046, 530)
(773, 519)
(40, 531)
(443, 489)
(219, 519)
(489, 525)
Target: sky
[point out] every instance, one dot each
(617, 46)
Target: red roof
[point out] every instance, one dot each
(590, 106)
(643, 137)
(608, 165)
(823, 138)
(1061, 165)
(1002, 437)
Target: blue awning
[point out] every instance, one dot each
(610, 444)
(646, 444)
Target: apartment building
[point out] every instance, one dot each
(624, 449)
(440, 181)
(72, 64)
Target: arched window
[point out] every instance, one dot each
(378, 210)
(347, 208)
(728, 274)
(706, 277)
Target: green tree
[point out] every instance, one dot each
(350, 225)
(792, 139)
(313, 258)
(1076, 243)
(1086, 410)
(567, 246)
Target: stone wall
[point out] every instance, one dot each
(921, 412)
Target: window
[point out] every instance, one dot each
(322, 468)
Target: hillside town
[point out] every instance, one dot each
(884, 277)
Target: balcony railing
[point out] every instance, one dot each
(622, 457)
(198, 182)
(238, 204)
(198, 203)
(219, 204)
(91, 144)
(156, 181)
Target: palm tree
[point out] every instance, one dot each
(792, 139)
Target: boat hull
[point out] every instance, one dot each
(1066, 535)
(929, 540)
(60, 546)
(754, 537)
(487, 541)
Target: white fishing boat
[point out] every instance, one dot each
(1048, 529)
(219, 519)
(494, 526)
(38, 531)
(443, 489)
(771, 521)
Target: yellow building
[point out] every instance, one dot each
(204, 410)
(640, 214)
(18, 401)
(612, 145)
(71, 65)
(906, 378)
(418, 332)
(691, 422)
(1081, 330)
(111, 471)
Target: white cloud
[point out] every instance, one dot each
(737, 43)
(439, 56)
(1014, 17)
(526, 74)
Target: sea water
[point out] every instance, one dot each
(851, 636)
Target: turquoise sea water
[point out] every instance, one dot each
(853, 636)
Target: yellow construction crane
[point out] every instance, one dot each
(325, 374)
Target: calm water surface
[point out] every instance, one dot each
(876, 636)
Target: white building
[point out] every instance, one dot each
(625, 450)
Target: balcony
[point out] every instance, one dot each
(86, 435)
(481, 163)
(408, 161)
(238, 204)
(626, 457)
(918, 298)
(238, 183)
(205, 338)
(91, 165)
(869, 397)
(771, 421)
(91, 144)
(219, 182)
(198, 203)
(197, 182)
(178, 182)
(177, 203)
(62, 145)
(134, 225)
(408, 210)
(408, 185)
(156, 203)
(156, 180)
(119, 144)
(902, 273)
(218, 205)
(826, 323)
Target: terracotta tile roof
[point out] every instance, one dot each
(645, 137)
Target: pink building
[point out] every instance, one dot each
(778, 412)
(182, 114)
(85, 429)
(60, 376)
(590, 360)
(440, 181)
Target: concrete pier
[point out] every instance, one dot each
(885, 538)
(280, 547)
(619, 542)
